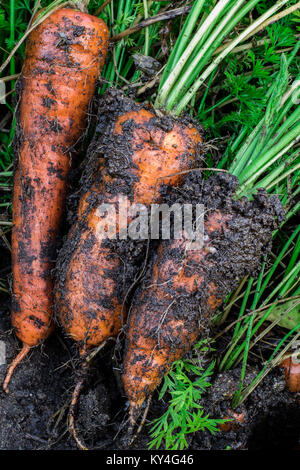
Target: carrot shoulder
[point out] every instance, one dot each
(63, 59)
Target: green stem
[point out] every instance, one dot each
(162, 97)
(267, 367)
(271, 157)
(278, 260)
(215, 62)
(282, 175)
(294, 256)
(183, 39)
(146, 49)
(193, 69)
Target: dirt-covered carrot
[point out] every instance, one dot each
(64, 56)
(183, 288)
(139, 149)
(137, 152)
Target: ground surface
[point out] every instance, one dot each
(33, 415)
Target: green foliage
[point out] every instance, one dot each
(119, 69)
(248, 76)
(185, 415)
(286, 314)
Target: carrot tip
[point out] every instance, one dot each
(24, 351)
(135, 411)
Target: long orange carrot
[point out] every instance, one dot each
(64, 56)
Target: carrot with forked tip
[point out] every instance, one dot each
(140, 155)
(63, 59)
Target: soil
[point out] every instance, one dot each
(33, 414)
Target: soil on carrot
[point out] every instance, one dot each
(124, 129)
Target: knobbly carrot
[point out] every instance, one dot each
(140, 155)
(184, 287)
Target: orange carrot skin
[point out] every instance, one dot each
(184, 287)
(158, 334)
(63, 59)
(138, 154)
(292, 374)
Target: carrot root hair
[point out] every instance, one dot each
(77, 390)
(133, 417)
(23, 353)
(73, 404)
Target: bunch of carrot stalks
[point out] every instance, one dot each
(142, 153)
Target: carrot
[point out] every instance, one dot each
(137, 153)
(88, 302)
(235, 420)
(64, 56)
(184, 287)
(291, 373)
